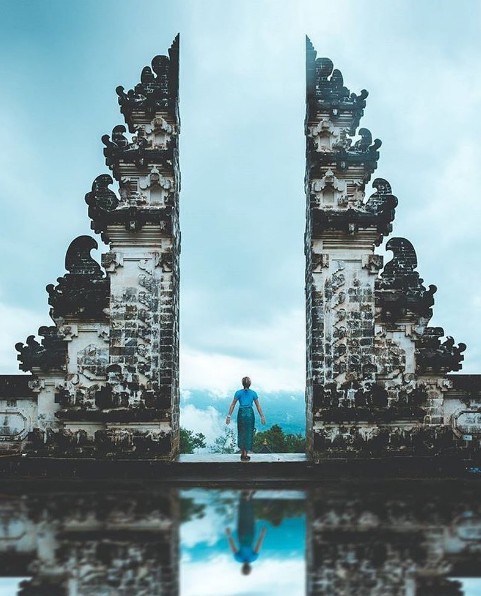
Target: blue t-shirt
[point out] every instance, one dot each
(246, 554)
(245, 397)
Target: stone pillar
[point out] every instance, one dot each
(376, 373)
(342, 230)
(141, 226)
(107, 373)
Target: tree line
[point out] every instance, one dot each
(272, 440)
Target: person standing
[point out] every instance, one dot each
(245, 417)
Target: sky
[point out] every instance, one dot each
(242, 157)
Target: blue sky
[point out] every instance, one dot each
(242, 157)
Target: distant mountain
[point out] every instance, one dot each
(284, 408)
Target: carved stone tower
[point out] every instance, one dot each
(108, 372)
(376, 373)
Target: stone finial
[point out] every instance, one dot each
(400, 290)
(434, 356)
(325, 89)
(158, 89)
(101, 199)
(51, 354)
(84, 292)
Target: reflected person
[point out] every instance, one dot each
(245, 417)
(246, 553)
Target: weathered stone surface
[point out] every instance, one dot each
(84, 292)
(158, 90)
(91, 543)
(50, 354)
(376, 373)
(107, 373)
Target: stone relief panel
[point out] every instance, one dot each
(92, 361)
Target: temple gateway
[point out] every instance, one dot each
(103, 380)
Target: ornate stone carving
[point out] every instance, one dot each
(329, 192)
(92, 361)
(112, 260)
(105, 209)
(400, 290)
(377, 212)
(51, 354)
(373, 263)
(158, 89)
(139, 151)
(83, 293)
(326, 90)
(101, 199)
(434, 356)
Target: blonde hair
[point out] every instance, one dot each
(246, 382)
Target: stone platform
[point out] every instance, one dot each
(273, 469)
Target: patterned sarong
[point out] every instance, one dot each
(245, 427)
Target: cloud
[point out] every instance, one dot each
(17, 324)
(10, 586)
(203, 530)
(272, 354)
(209, 422)
(268, 576)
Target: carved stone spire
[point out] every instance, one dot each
(158, 90)
(144, 161)
(325, 92)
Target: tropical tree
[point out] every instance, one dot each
(276, 440)
(225, 443)
(190, 441)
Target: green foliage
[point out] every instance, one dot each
(190, 441)
(275, 511)
(276, 440)
(226, 443)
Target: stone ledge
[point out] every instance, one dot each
(277, 469)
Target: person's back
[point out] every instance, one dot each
(245, 418)
(246, 397)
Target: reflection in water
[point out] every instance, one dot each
(246, 553)
(340, 538)
(212, 559)
(91, 544)
(395, 539)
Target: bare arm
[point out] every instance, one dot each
(260, 540)
(232, 544)
(259, 409)
(231, 409)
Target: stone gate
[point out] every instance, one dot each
(105, 377)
